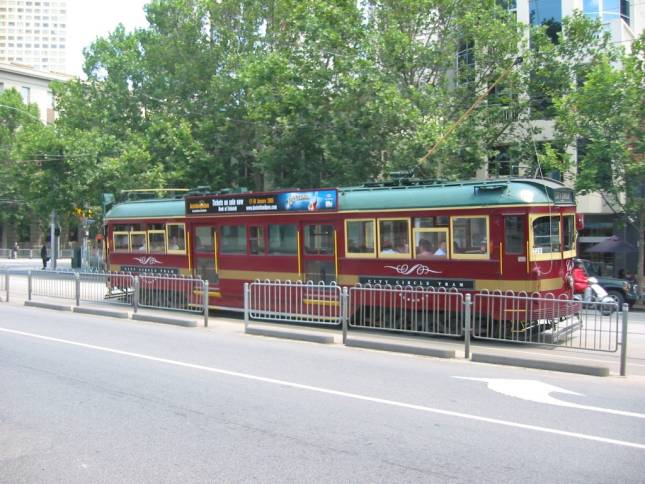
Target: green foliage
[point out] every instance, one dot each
(303, 93)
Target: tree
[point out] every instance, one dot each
(606, 115)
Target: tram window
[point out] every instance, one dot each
(394, 237)
(360, 238)
(121, 241)
(514, 234)
(431, 244)
(282, 240)
(469, 237)
(428, 222)
(546, 235)
(319, 239)
(128, 228)
(256, 240)
(156, 227)
(569, 232)
(204, 239)
(157, 241)
(138, 241)
(176, 237)
(233, 239)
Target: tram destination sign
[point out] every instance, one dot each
(309, 201)
(418, 282)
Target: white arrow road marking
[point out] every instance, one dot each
(536, 391)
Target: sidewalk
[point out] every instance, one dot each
(34, 264)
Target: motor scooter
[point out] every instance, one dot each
(600, 299)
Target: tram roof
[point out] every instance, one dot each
(521, 191)
(151, 208)
(515, 191)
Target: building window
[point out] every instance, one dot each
(548, 13)
(25, 92)
(503, 163)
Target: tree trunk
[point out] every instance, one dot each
(641, 250)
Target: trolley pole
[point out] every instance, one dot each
(623, 346)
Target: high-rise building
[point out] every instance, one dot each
(34, 33)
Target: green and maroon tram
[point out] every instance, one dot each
(515, 234)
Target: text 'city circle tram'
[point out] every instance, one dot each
(516, 234)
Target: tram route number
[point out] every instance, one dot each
(406, 281)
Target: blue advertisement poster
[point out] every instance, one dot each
(307, 201)
(312, 201)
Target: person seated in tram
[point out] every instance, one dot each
(425, 248)
(387, 247)
(441, 250)
(581, 281)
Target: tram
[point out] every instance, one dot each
(515, 234)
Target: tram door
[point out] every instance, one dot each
(205, 253)
(515, 236)
(318, 252)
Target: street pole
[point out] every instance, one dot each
(52, 238)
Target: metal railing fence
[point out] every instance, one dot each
(53, 284)
(508, 317)
(172, 293)
(298, 302)
(149, 291)
(545, 320)
(406, 309)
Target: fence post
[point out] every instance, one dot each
(205, 302)
(135, 294)
(344, 304)
(29, 285)
(467, 317)
(246, 306)
(77, 281)
(6, 284)
(623, 347)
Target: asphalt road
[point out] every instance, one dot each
(92, 399)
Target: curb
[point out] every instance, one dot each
(57, 307)
(100, 312)
(400, 348)
(160, 319)
(540, 365)
(276, 333)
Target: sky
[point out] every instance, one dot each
(89, 19)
